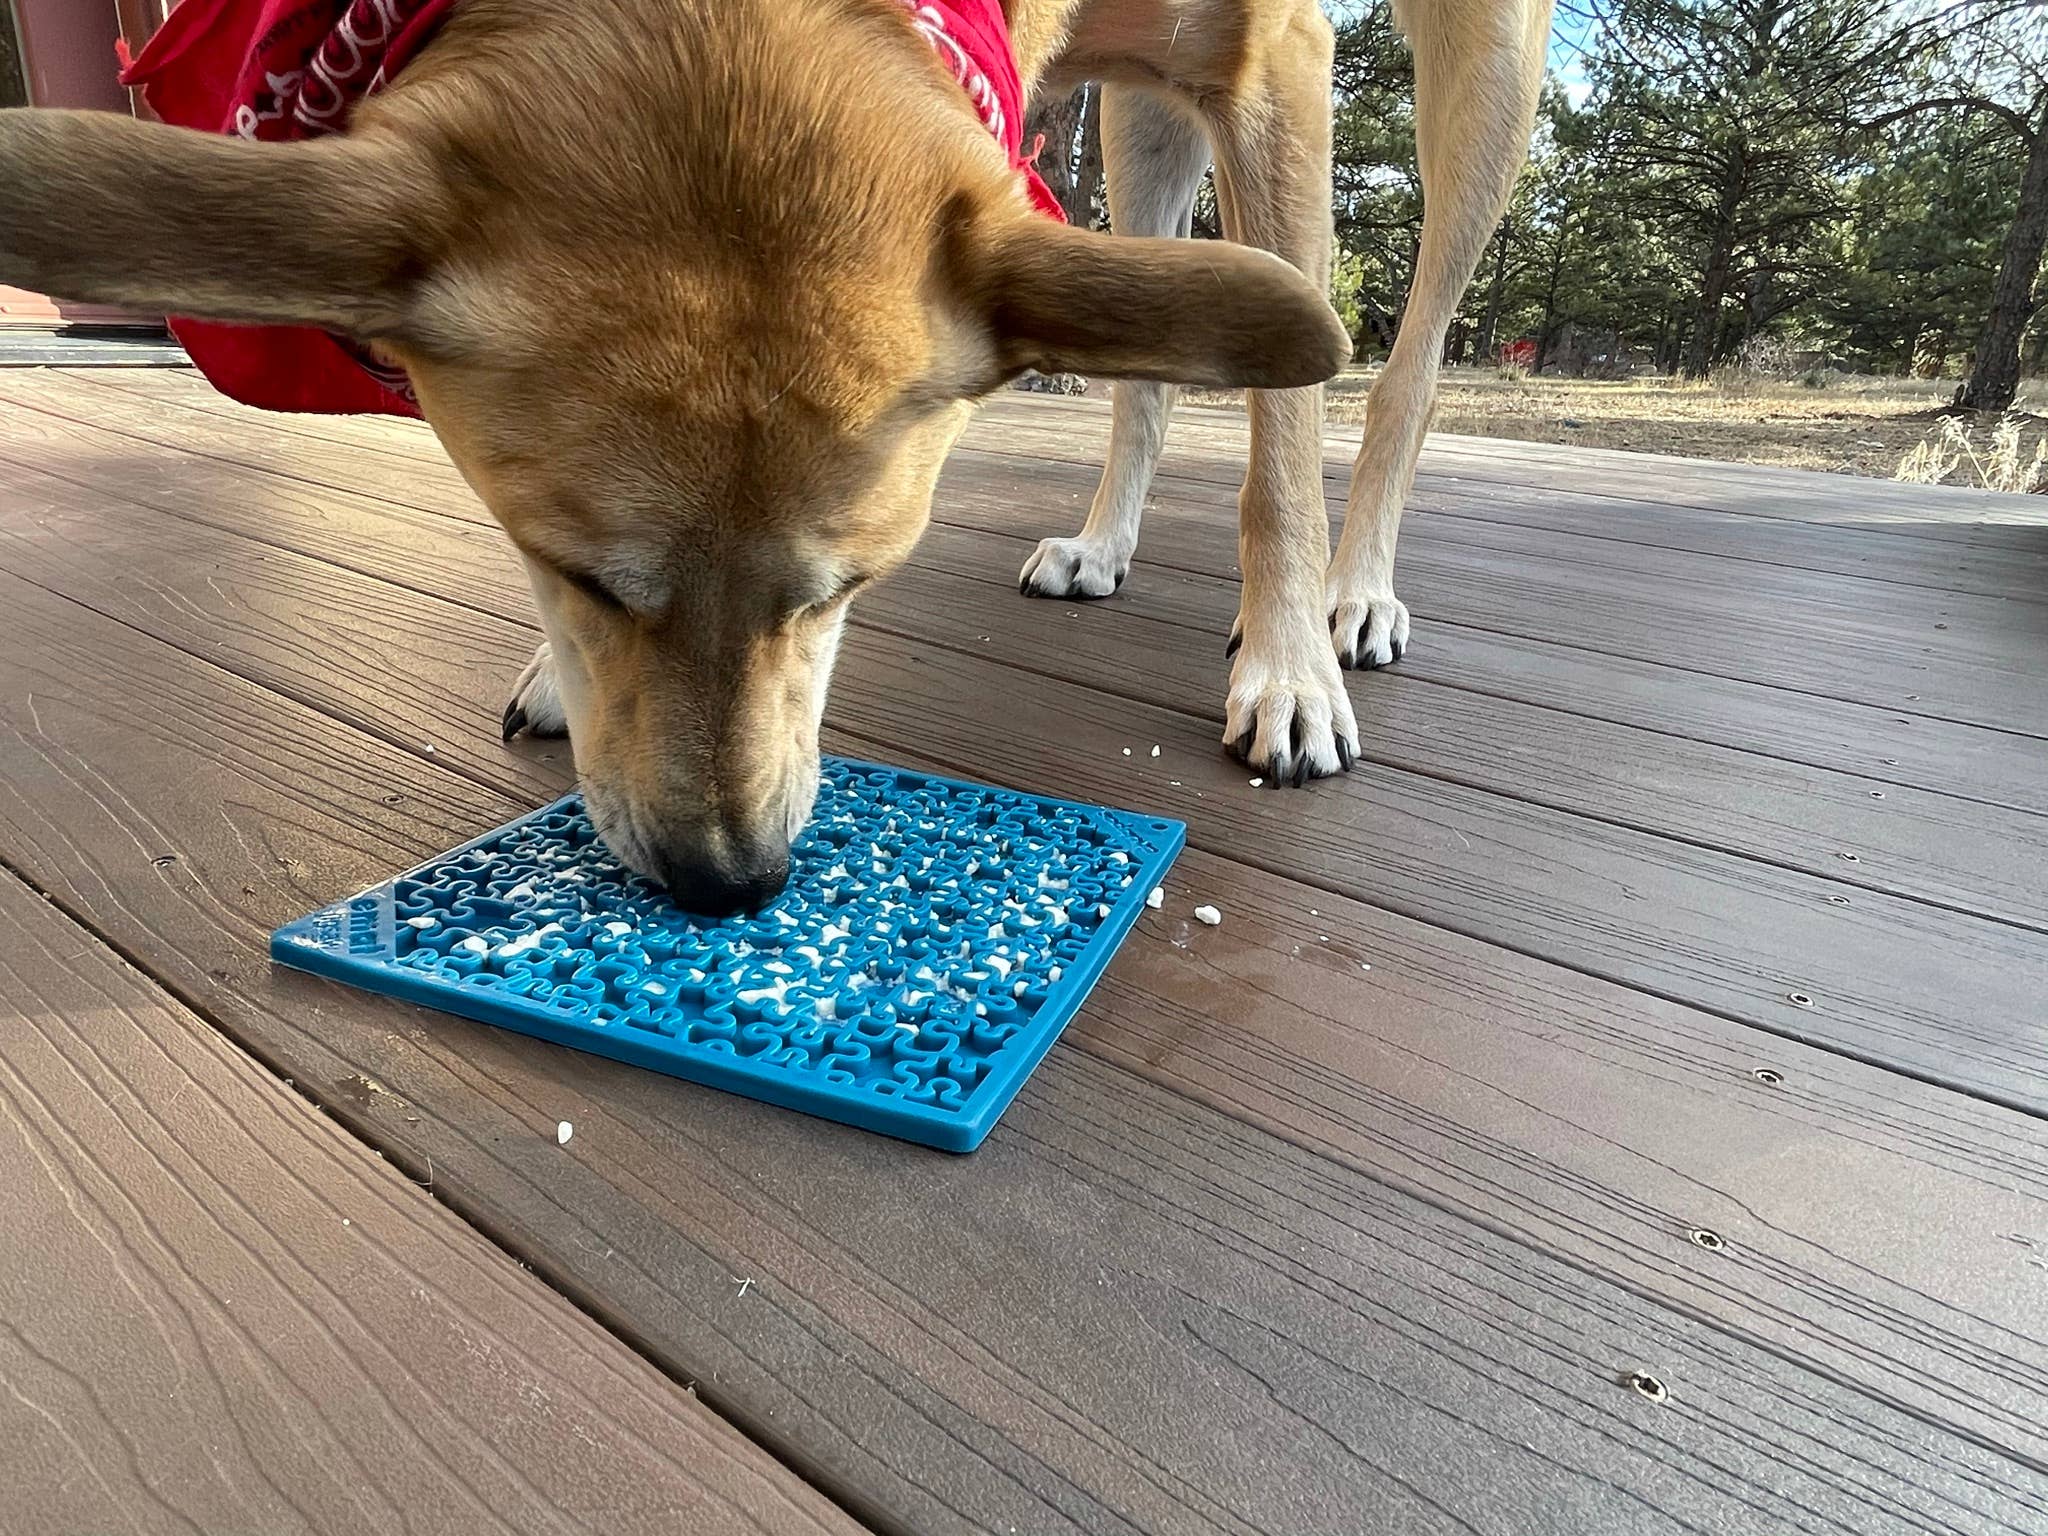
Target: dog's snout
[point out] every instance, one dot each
(711, 892)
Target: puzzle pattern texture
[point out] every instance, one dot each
(935, 938)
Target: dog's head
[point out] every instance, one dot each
(698, 303)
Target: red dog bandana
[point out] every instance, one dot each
(972, 39)
(294, 69)
(274, 70)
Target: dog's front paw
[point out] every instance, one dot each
(536, 706)
(1367, 628)
(1289, 718)
(1074, 568)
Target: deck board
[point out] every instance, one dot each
(1441, 824)
(219, 1312)
(1274, 1238)
(1813, 635)
(1212, 437)
(276, 620)
(1208, 442)
(230, 596)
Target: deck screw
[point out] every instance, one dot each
(1645, 1386)
(1877, 794)
(1891, 762)
(1850, 858)
(1770, 1077)
(1711, 1241)
(164, 860)
(1839, 901)
(1800, 999)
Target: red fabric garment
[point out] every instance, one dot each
(293, 69)
(276, 70)
(972, 40)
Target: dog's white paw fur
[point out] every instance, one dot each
(1079, 567)
(1368, 626)
(536, 706)
(1289, 719)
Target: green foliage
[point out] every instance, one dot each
(1836, 175)
(1347, 275)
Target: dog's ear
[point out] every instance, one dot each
(99, 208)
(1065, 300)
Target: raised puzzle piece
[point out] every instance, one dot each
(934, 940)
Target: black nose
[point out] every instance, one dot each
(713, 893)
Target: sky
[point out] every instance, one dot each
(1571, 29)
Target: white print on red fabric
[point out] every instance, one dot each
(347, 66)
(351, 62)
(932, 27)
(269, 106)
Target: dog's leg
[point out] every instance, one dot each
(1478, 67)
(1153, 154)
(1288, 715)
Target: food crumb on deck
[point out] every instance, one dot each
(1156, 897)
(1208, 915)
(563, 1131)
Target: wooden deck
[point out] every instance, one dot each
(1659, 1012)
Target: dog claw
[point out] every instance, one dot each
(1073, 570)
(1345, 755)
(1369, 633)
(515, 719)
(1231, 647)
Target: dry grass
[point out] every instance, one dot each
(1855, 426)
(1999, 462)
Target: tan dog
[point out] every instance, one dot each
(700, 322)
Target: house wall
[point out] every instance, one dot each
(68, 53)
(67, 59)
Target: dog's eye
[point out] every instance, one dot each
(591, 588)
(840, 593)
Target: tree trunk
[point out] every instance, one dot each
(1706, 326)
(1547, 331)
(1994, 380)
(1382, 324)
(1496, 287)
(1706, 330)
(1070, 153)
(1088, 164)
(1058, 120)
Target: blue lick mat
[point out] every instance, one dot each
(934, 940)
